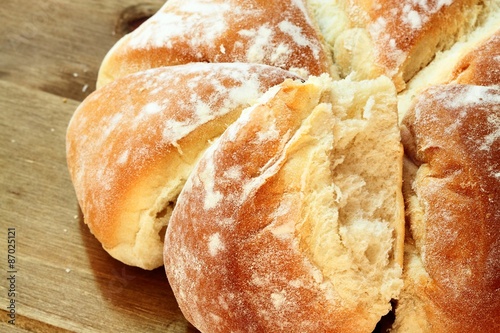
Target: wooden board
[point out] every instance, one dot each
(61, 280)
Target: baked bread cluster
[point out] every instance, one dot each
(303, 165)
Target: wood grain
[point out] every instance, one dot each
(56, 46)
(65, 281)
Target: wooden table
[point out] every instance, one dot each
(59, 279)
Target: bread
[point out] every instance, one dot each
(452, 260)
(132, 144)
(293, 220)
(272, 32)
(452, 139)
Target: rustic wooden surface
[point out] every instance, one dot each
(50, 52)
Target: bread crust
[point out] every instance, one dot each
(452, 267)
(132, 144)
(273, 32)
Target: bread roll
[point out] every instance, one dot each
(132, 144)
(274, 32)
(293, 220)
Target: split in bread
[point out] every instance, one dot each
(474, 60)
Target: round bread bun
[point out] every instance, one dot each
(293, 220)
(132, 144)
(273, 32)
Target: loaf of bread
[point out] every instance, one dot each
(132, 144)
(254, 149)
(293, 220)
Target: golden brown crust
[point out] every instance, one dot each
(273, 32)
(132, 140)
(454, 138)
